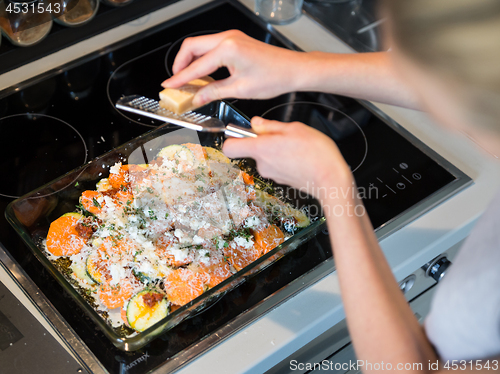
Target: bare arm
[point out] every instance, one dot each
(260, 71)
(382, 325)
(367, 76)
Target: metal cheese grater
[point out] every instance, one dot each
(191, 120)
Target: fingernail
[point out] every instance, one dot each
(256, 121)
(166, 84)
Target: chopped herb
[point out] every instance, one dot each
(77, 184)
(200, 189)
(152, 215)
(226, 244)
(96, 203)
(166, 215)
(149, 189)
(207, 254)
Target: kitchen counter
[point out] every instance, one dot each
(282, 331)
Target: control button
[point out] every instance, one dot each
(407, 284)
(437, 268)
(403, 165)
(401, 186)
(416, 176)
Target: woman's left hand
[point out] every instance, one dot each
(293, 154)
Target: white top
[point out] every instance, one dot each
(464, 322)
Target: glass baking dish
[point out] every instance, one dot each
(32, 214)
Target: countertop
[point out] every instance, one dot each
(305, 316)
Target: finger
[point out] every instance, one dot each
(195, 47)
(217, 90)
(240, 148)
(265, 126)
(203, 66)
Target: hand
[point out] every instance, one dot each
(293, 154)
(258, 70)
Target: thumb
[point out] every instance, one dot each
(266, 126)
(217, 90)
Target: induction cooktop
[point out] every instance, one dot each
(55, 122)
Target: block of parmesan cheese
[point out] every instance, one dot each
(180, 100)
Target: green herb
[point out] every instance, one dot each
(152, 215)
(149, 189)
(200, 189)
(166, 215)
(226, 244)
(77, 184)
(96, 203)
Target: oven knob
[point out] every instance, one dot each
(437, 268)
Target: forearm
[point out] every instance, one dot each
(367, 76)
(382, 325)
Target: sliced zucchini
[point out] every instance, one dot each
(267, 201)
(94, 267)
(215, 155)
(146, 308)
(177, 152)
(78, 216)
(80, 271)
(103, 185)
(148, 267)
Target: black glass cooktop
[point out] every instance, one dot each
(57, 122)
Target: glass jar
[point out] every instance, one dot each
(73, 12)
(24, 24)
(116, 2)
(278, 12)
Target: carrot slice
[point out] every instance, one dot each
(124, 197)
(183, 285)
(240, 257)
(63, 239)
(214, 271)
(247, 178)
(269, 238)
(132, 168)
(123, 315)
(117, 180)
(92, 201)
(198, 151)
(162, 250)
(114, 296)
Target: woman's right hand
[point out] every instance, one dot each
(257, 70)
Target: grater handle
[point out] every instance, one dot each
(239, 131)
